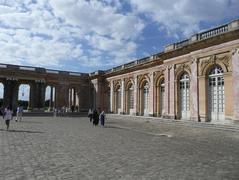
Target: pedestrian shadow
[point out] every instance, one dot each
(113, 127)
(33, 122)
(12, 130)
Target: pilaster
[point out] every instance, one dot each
(136, 89)
(235, 80)
(111, 96)
(151, 95)
(166, 98)
(194, 91)
(122, 96)
(171, 92)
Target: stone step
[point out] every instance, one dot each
(233, 126)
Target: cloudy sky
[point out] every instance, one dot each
(87, 35)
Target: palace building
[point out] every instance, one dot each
(196, 79)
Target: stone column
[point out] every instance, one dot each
(69, 98)
(136, 90)
(122, 96)
(99, 94)
(77, 99)
(10, 93)
(38, 95)
(83, 93)
(51, 99)
(111, 97)
(74, 97)
(42, 95)
(151, 94)
(172, 92)
(235, 82)
(62, 95)
(194, 91)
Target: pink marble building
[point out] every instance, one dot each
(196, 79)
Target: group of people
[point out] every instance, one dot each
(94, 115)
(7, 114)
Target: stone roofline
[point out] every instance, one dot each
(171, 50)
(40, 70)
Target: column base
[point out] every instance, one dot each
(195, 118)
(169, 116)
(202, 118)
(151, 115)
(38, 110)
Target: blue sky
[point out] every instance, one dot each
(88, 35)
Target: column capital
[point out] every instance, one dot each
(39, 81)
(235, 51)
(194, 60)
(171, 66)
(11, 79)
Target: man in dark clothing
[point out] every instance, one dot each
(95, 117)
(72, 108)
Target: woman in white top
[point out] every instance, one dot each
(8, 116)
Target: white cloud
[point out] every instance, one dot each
(43, 33)
(185, 16)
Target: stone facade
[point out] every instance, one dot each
(196, 79)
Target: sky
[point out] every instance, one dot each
(89, 35)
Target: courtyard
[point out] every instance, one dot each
(51, 148)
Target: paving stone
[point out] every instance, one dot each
(72, 148)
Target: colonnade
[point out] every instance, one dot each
(59, 96)
(73, 98)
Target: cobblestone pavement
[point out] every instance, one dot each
(71, 148)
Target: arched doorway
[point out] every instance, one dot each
(24, 96)
(145, 99)
(130, 98)
(184, 83)
(161, 97)
(50, 98)
(216, 98)
(1, 94)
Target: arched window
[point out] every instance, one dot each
(118, 98)
(146, 98)
(184, 96)
(216, 94)
(162, 92)
(131, 97)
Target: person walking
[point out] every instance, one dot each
(95, 118)
(90, 114)
(102, 118)
(19, 113)
(8, 116)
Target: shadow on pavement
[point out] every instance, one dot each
(113, 127)
(34, 122)
(12, 130)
